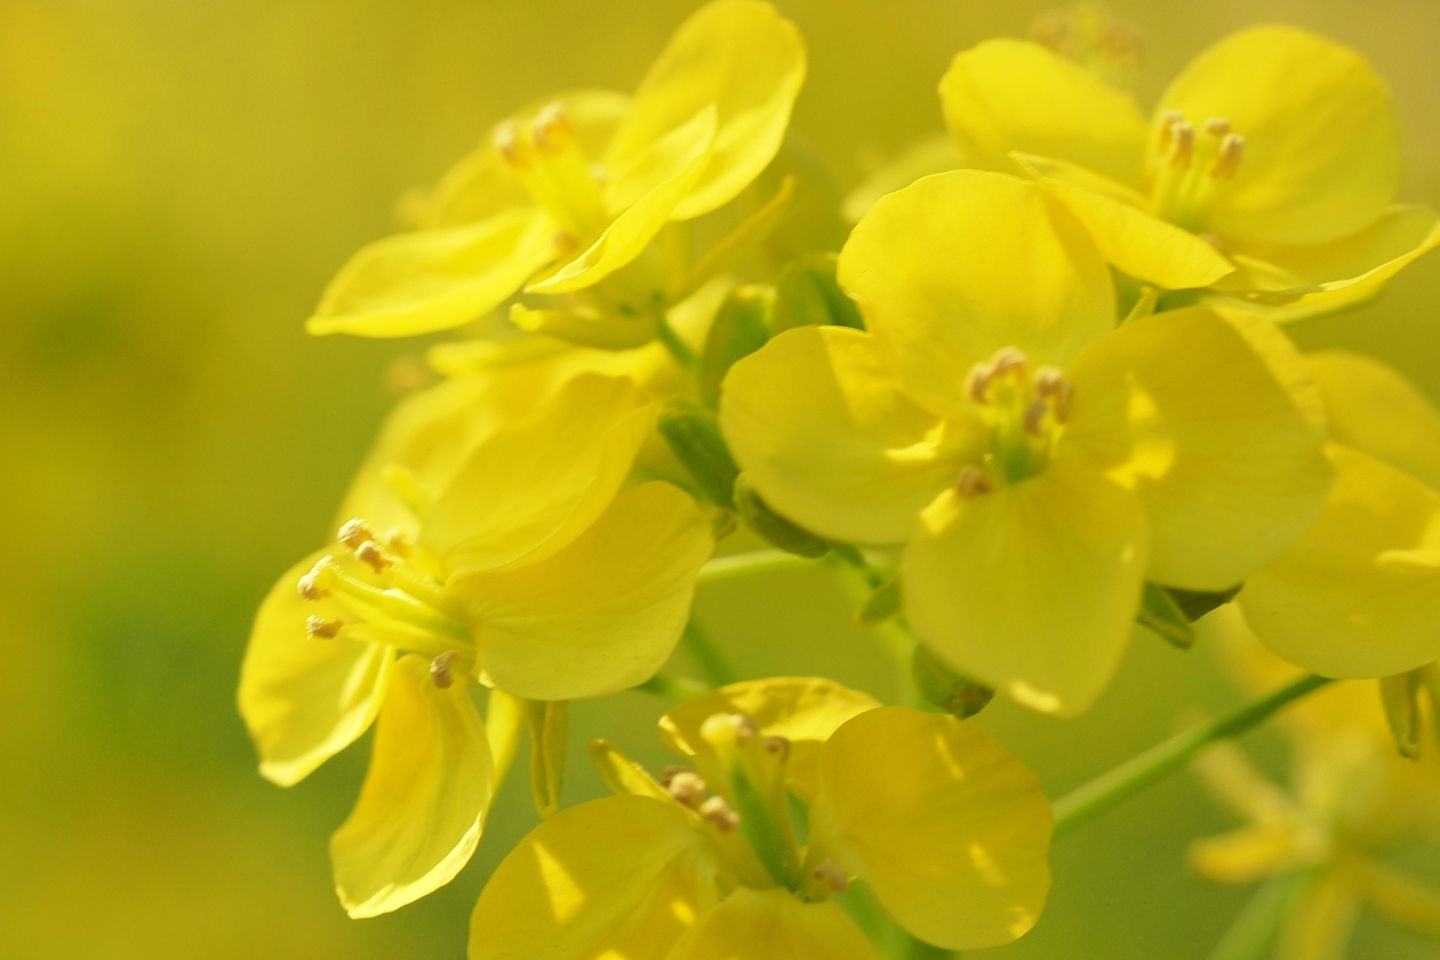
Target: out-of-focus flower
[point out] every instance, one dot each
(574, 192)
(1038, 463)
(1268, 173)
(524, 564)
(947, 829)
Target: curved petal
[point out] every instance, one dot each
(1288, 283)
(1137, 243)
(671, 168)
(950, 829)
(527, 491)
(1322, 152)
(1359, 594)
(934, 154)
(424, 801)
(773, 925)
(1031, 589)
(602, 614)
(619, 877)
(415, 283)
(1249, 853)
(803, 710)
(961, 264)
(1371, 408)
(831, 440)
(303, 698)
(1008, 95)
(1245, 472)
(748, 62)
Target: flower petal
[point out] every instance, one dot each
(303, 698)
(1374, 410)
(527, 491)
(1246, 473)
(831, 441)
(803, 710)
(1247, 854)
(1359, 594)
(602, 614)
(1322, 152)
(618, 877)
(424, 801)
(747, 61)
(949, 829)
(1033, 588)
(1289, 283)
(1008, 95)
(773, 925)
(415, 283)
(961, 264)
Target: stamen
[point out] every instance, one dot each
(512, 146)
(719, 814)
(728, 729)
(321, 628)
(1034, 421)
(1217, 127)
(440, 670)
(830, 874)
(777, 747)
(1007, 360)
(688, 788)
(1048, 380)
(397, 541)
(1227, 162)
(1168, 120)
(977, 382)
(973, 482)
(315, 584)
(552, 130)
(354, 532)
(373, 555)
(1182, 145)
(1060, 402)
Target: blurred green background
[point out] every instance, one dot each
(178, 179)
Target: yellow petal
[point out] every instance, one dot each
(773, 925)
(803, 710)
(1322, 153)
(1033, 588)
(602, 614)
(619, 877)
(585, 328)
(1009, 95)
(949, 829)
(670, 170)
(527, 491)
(959, 265)
(1288, 283)
(1373, 409)
(746, 61)
(934, 154)
(828, 437)
(303, 698)
(421, 809)
(1246, 474)
(1143, 246)
(415, 283)
(1248, 854)
(1359, 594)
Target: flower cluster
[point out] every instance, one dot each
(1024, 403)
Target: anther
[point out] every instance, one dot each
(440, 670)
(322, 628)
(777, 747)
(1168, 120)
(977, 382)
(1182, 145)
(511, 145)
(354, 532)
(830, 874)
(1217, 127)
(718, 813)
(973, 482)
(1048, 381)
(1227, 162)
(551, 129)
(1006, 360)
(1034, 421)
(687, 787)
(373, 555)
(397, 541)
(724, 729)
(1060, 401)
(313, 585)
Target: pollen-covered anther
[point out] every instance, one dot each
(977, 382)
(354, 532)
(725, 730)
(397, 542)
(973, 482)
(719, 814)
(1034, 421)
(512, 146)
(1168, 120)
(440, 674)
(1227, 161)
(322, 628)
(778, 747)
(1008, 360)
(374, 556)
(1182, 145)
(315, 584)
(552, 130)
(687, 787)
(1217, 126)
(830, 874)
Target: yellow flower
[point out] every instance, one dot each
(948, 830)
(1359, 594)
(573, 192)
(1268, 172)
(1037, 463)
(525, 565)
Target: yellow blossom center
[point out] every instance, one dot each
(1193, 166)
(1024, 411)
(545, 156)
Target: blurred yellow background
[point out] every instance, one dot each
(178, 179)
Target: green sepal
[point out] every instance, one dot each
(775, 529)
(807, 294)
(1162, 615)
(549, 722)
(944, 688)
(882, 604)
(693, 435)
(741, 327)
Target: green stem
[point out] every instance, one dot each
(920, 950)
(677, 347)
(707, 656)
(1139, 772)
(1252, 936)
(723, 569)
